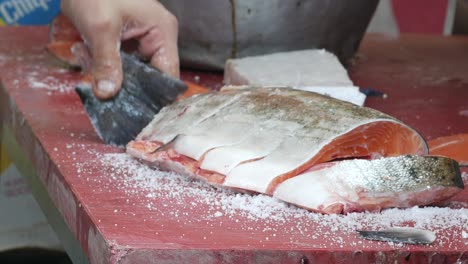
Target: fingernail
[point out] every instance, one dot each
(106, 87)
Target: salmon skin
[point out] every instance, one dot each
(262, 139)
(145, 90)
(369, 185)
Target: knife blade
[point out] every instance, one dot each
(406, 235)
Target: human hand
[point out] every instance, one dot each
(104, 24)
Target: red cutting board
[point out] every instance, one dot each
(122, 212)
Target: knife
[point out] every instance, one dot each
(405, 235)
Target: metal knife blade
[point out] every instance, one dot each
(406, 235)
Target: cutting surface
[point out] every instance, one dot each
(123, 212)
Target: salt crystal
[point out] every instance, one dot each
(37, 84)
(218, 214)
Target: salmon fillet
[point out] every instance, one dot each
(256, 139)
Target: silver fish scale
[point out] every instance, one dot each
(307, 117)
(311, 111)
(182, 116)
(396, 174)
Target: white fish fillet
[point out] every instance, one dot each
(309, 70)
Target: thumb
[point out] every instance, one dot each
(100, 25)
(106, 65)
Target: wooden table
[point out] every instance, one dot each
(106, 211)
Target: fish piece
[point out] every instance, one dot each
(195, 145)
(315, 129)
(370, 185)
(455, 147)
(262, 139)
(314, 70)
(183, 116)
(258, 175)
(224, 159)
(62, 37)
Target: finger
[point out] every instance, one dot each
(107, 71)
(164, 54)
(159, 40)
(100, 28)
(104, 46)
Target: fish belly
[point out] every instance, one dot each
(358, 185)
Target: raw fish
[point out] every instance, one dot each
(257, 139)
